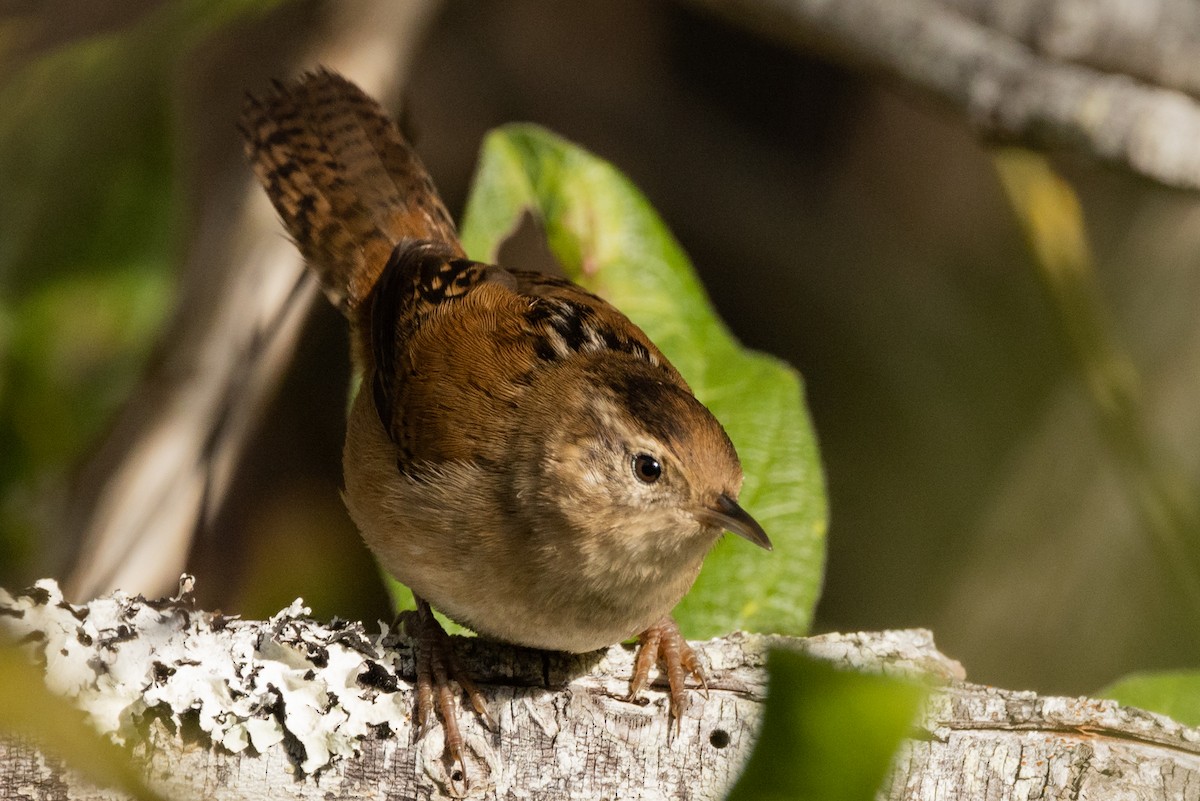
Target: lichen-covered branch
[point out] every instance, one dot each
(294, 708)
(1110, 79)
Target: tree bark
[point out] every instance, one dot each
(1109, 79)
(295, 708)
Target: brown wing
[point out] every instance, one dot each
(455, 344)
(344, 181)
(567, 319)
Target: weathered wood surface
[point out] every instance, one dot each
(294, 708)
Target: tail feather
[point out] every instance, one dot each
(344, 181)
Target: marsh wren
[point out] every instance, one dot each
(519, 454)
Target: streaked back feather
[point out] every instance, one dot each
(344, 181)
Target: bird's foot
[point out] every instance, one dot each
(664, 645)
(437, 665)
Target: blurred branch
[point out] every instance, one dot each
(1106, 77)
(1156, 41)
(163, 470)
(1052, 219)
(294, 708)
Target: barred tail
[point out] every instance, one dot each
(344, 181)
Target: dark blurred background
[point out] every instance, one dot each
(839, 221)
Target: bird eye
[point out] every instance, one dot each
(646, 468)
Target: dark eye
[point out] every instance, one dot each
(646, 468)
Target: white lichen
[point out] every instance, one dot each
(321, 686)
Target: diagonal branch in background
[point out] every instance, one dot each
(295, 708)
(985, 68)
(164, 469)
(1155, 41)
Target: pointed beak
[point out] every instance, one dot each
(731, 517)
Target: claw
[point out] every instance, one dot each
(469, 687)
(647, 657)
(663, 643)
(437, 664)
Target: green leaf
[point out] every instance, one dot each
(827, 734)
(1174, 693)
(608, 238)
(403, 600)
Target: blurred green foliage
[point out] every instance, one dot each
(87, 222)
(1157, 484)
(828, 734)
(28, 709)
(1175, 693)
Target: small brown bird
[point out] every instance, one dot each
(519, 454)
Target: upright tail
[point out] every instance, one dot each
(347, 185)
